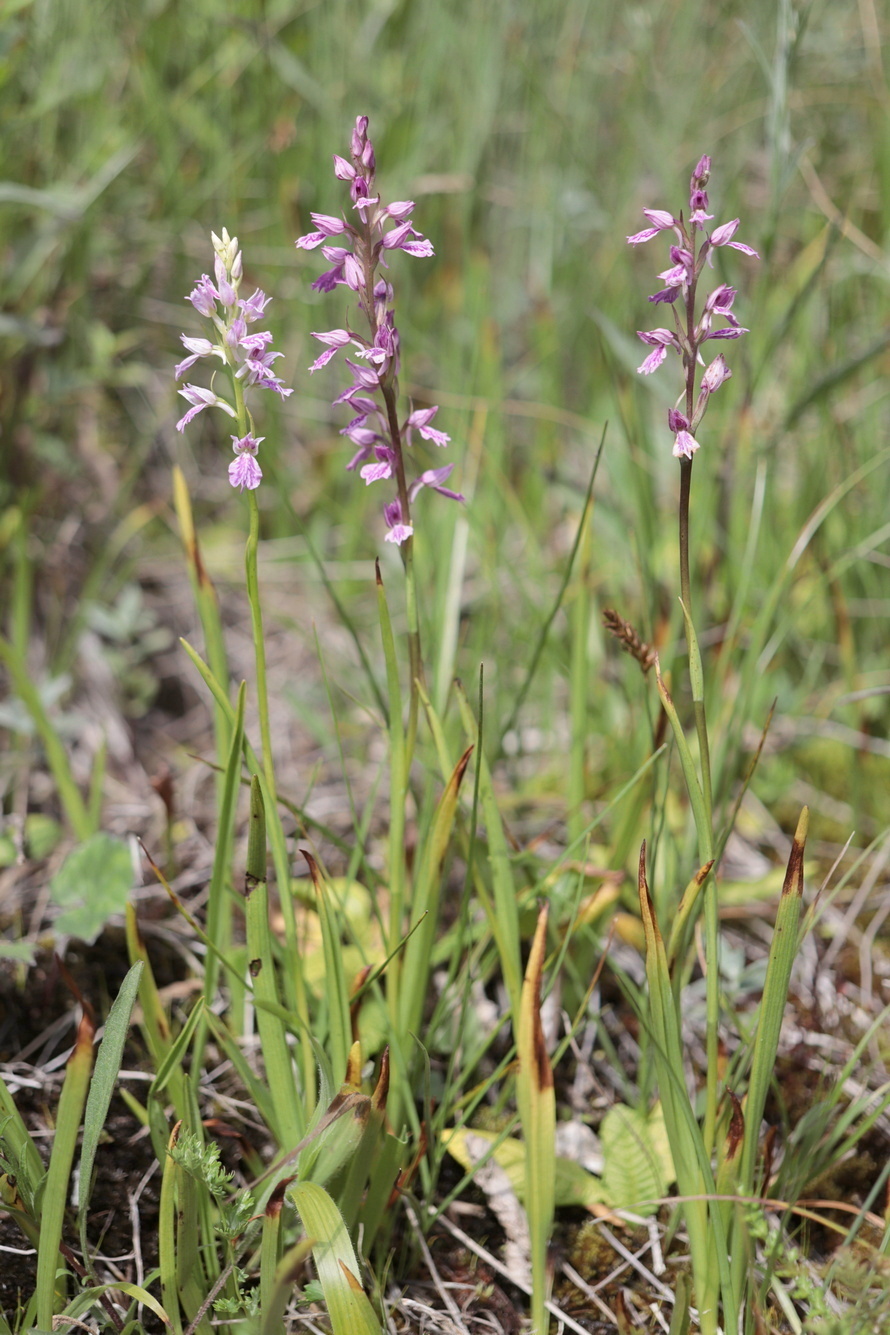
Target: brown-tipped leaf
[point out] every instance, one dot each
(381, 1089)
(736, 1131)
(794, 875)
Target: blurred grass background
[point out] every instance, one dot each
(531, 135)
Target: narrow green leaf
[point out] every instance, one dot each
(348, 1306)
(17, 1137)
(108, 1063)
(707, 1236)
(427, 892)
(55, 1196)
(171, 1066)
(76, 810)
(519, 699)
(270, 1247)
(167, 1251)
(289, 1125)
(504, 920)
(783, 950)
(336, 990)
(288, 1273)
(693, 786)
(536, 1100)
(219, 913)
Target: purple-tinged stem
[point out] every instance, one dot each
(706, 852)
(415, 657)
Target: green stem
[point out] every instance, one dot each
(705, 833)
(294, 981)
(259, 643)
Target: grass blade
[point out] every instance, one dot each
(55, 1196)
(289, 1123)
(108, 1063)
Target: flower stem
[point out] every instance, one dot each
(706, 834)
(415, 656)
(256, 622)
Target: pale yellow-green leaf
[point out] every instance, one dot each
(638, 1167)
(574, 1186)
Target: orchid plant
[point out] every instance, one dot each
(708, 1223)
(357, 247)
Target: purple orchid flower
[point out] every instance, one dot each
(363, 243)
(246, 354)
(689, 254)
(244, 471)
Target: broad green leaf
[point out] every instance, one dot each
(20, 951)
(42, 834)
(638, 1166)
(92, 884)
(348, 1306)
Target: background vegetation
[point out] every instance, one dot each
(531, 137)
